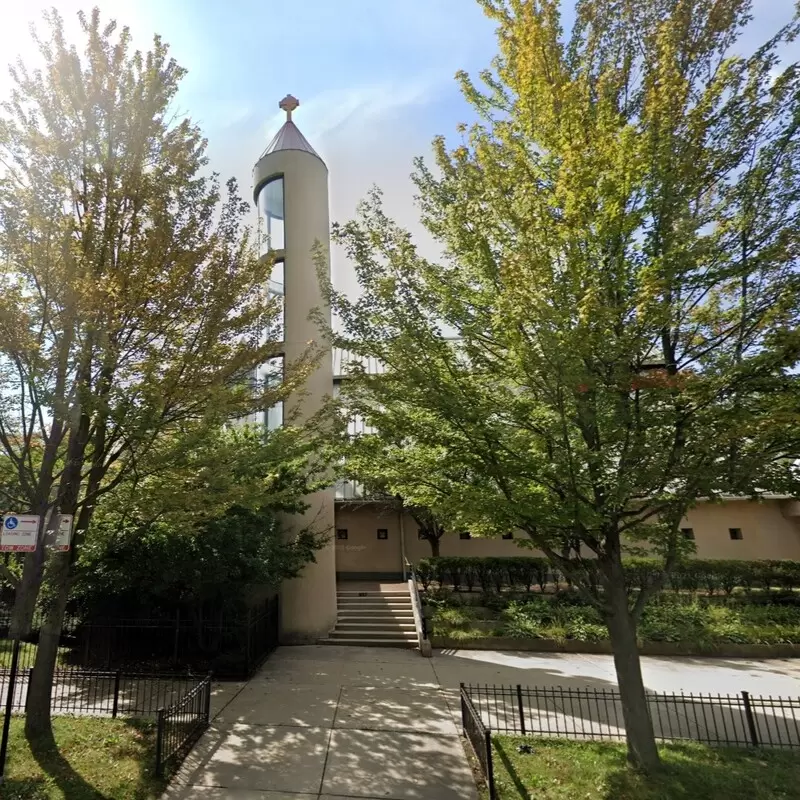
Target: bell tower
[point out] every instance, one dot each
(290, 189)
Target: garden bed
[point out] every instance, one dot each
(563, 770)
(671, 625)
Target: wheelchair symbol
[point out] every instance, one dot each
(11, 523)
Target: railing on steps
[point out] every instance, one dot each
(420, 623)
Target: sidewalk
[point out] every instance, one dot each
(326, 722)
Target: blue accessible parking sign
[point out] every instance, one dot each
(20, 533)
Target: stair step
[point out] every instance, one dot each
(370, 642)
(373, 634)
(375, 617)
(372, 594)
(374, 598)
(373, 604)
(372, 638)
(376, 613)
(368, 626)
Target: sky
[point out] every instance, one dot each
(375, 78)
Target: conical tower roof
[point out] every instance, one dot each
(289, 136)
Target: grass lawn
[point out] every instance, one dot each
(564, 770)
(97, 759)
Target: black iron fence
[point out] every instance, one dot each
(232, 648)
(100, 693)
(729, 720)
(180, 725)
(734, 720)
(479, 737)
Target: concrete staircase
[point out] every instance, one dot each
(374, 617)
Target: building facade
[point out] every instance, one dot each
(369, 539)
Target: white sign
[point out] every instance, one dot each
(19, 533)
(64, 535)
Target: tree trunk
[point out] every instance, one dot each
(642, 750)
(37, 712)
(27, 592)
(433, 541)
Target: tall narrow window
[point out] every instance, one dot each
(272, 377)
(270, 209)
(275, 330)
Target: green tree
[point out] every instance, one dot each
(620, 239)
(384, 461)
(132, 298)
(198, 531)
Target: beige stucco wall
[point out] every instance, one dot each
(362, 551)
(308, 602)
(767, 534)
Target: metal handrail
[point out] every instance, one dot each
(416, 606)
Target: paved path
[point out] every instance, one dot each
(325, 722)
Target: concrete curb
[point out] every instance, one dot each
(723, 650)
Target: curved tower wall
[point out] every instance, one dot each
(308, 602)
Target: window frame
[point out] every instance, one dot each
(262, 214)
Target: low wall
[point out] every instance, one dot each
(728, 650)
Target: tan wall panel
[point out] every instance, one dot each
(766, 532)
(362, 551)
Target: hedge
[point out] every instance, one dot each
(522, 573)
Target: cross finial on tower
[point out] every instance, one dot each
(289, 104)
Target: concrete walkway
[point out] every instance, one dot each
(327, 722)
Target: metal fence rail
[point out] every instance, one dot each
(733, 720)
(231, 647)
(100, 693)
(728, 720)
(479, 737)
(181, 725)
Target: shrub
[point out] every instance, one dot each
(712, 576)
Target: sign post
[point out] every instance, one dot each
(19, 533)
(64, 534)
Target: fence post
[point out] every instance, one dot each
(115, 707)
(751, 722)
(28, 687)
(489, 766)
(463, 710)
(176, 641)
(207, 709)
(248, 642)
(160, 743)
(9, 707)
(521, 709)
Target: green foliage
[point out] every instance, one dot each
(201, 528)
(613, 328)
(712, 576)
(126, 569)
(670, 619)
